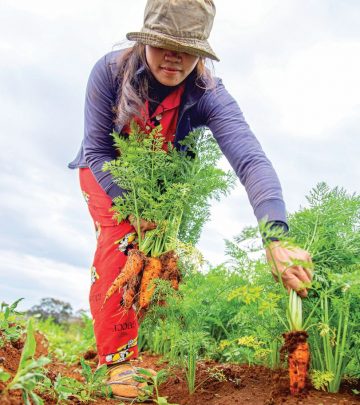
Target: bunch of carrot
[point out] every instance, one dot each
(138, 276)
(169, 188)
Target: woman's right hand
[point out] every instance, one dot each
(144, 225)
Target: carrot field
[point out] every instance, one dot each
(219, 338)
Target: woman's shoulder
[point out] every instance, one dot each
(109, 64)
(213, 90)
(113, 59)
(105, 72)
(216, 100)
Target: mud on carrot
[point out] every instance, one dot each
(170, 270)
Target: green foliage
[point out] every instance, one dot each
(294, 312)
(235, 312)
(330, 229)
(30, 371)
(31, 376)
(153, 382)
(67, 342)
(246, 349)
(321, 379)
(95, 382)
(203, 305)
(69, 389)
(10, 327)
(172, 189)
(4, 376)
(190, 344)
(239, 299)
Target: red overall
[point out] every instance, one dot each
(116, 329)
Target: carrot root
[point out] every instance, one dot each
(152, 270)
(170, 269)
(133, 267)
(131, 291)
(298, 359)
(298, 367)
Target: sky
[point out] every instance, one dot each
(293, 66)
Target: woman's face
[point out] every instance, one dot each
(169, 67)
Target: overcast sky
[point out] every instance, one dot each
(292, 65)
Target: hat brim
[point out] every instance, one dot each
(191, 46)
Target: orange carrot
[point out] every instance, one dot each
(152, 271)
(298, 359)
(128, 298)
(131, 291)
(134, 265)
(298, 366)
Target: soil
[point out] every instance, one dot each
(218, 384)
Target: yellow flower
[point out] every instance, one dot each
(249, 341)
(223, 344)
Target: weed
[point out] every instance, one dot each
(10, 330)
(4, 376)
(30, 371)
(152, 385)
(95, 381)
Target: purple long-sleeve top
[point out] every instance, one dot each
(214, 108)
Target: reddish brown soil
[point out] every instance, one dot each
(9, 360)
(253, 385)
(241, 384)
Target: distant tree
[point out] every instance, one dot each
(59, 310)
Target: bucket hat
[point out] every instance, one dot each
(178, 25)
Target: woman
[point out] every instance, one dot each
(163, 79)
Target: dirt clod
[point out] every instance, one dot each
(90, 354)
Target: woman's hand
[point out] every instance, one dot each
(144, 225)
(286, 262)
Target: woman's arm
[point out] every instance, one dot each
(224, 118)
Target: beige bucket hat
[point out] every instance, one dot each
(178, 25)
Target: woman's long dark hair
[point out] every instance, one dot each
(134, 76)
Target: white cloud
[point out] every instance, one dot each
(52, 209)
(314, 90)
(39, 277)
(297, 86)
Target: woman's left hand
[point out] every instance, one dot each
(144, 225)
(285, 261)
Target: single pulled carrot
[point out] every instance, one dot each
(133, 267)
(152, 270)
(298, 359)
